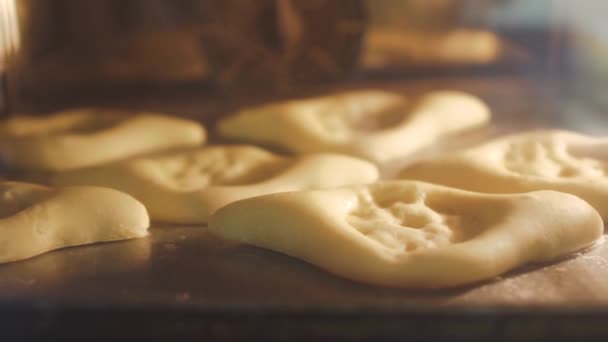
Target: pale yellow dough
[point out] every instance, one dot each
(187, 186)
(80, 138)
(35, 219)
(376, 125)
(412, 234)
(538, 160)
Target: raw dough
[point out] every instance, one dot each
(385, 47)
(375, 125)
(412, 234)
(86, 137)
(538, 160)
(186, 187)
(36, 219)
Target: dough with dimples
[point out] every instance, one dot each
(412, 234)
(537, 160)
(372, 124)
(86, 137)
(187, 186)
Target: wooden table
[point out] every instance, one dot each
(181, 281)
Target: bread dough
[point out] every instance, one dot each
(80, 138)
(35, 219)
(375, 125)
(186, 187)
(386, 47)
(412, 234)
(538, 160)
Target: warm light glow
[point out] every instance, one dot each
(9, 30)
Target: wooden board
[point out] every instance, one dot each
(186, 265)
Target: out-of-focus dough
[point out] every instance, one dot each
(35, 219)
(187, 186)
(384, 47)
(80, 138)
(376, 125)
(538, 160)
(412, 234)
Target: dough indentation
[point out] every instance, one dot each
(552, 159)
(103, 122)
(402, 220)
(345, 117)
(215, 166)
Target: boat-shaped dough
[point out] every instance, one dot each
(376, 125)
(35, 219)
(80, 138)
(412, 234)
(187, 186)
(537, 160)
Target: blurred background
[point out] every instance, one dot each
(56, 53)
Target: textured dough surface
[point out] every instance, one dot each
(87, 137)
(185, 187)
(412, 234)
(376, 125)
(35, 219)
(538, 160)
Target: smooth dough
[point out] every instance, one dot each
(35, 219)
(186, 187)
(538, 160)
(386, 47)
(376, 125)
(80, 138)
(412, 234)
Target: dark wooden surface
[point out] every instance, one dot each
(183, 265)
(182, 282)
